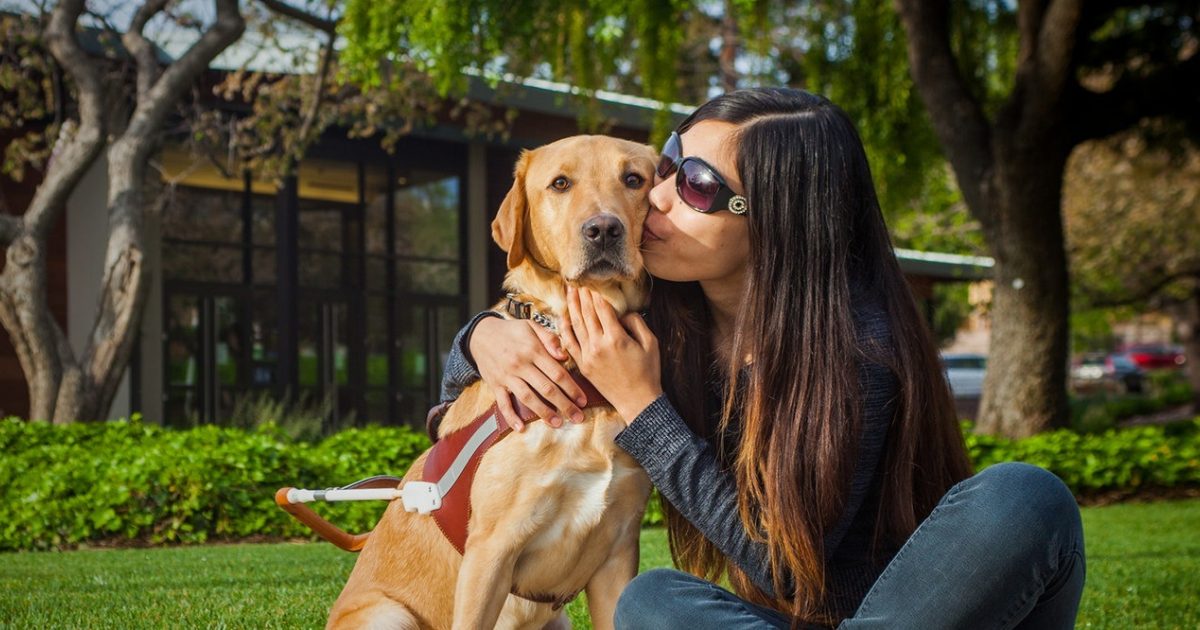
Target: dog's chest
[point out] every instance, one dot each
(578, 490)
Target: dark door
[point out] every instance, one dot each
(215, 355)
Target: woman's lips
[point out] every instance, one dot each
(648, 234)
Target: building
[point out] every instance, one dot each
(346, 281)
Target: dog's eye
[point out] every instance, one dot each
(560, 183)
(633, 180)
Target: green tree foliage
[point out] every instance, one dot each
(582, 41)
(852, 52)
(30, 108)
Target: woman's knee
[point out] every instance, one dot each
(1030, 499)
(648, 597)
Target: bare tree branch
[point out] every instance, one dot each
(76, 148)
(1100, 300)
(1056, 43)
(318, 93)
(300, 15)
(1047, 32)
(141, 49)
(958, 120)
(163, 94)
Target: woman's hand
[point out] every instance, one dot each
(522, 357)
(618, 355)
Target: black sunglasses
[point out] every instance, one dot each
(699, 184)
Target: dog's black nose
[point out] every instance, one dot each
(603, 230)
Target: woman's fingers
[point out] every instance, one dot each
(564, 383)
(605, 313)
(550, 341)
(578, 330)
(569, 341)
(555, 385)
(637, 327)
(505, 407)
(536, 404)
(587, 314)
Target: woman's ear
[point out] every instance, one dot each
(508, 228)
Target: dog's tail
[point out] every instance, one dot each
(325, 529)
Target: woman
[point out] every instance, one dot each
(800, 428)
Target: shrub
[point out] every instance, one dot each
(1117, 459)
(128, 481)
(67, 485)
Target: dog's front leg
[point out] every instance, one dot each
(605, 586)
(484, 581)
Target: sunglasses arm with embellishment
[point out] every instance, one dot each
(699, 184)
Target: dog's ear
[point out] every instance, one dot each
(508, 228)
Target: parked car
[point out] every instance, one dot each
(1116, 371)
(965, 373)
(1156, 356)
(1124, 369)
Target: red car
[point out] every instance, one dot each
(1156, 356)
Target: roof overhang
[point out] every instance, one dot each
(951, 267)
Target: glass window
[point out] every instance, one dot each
(183, 340)
(322, 271)
(427, 209)
(320, 227)
(413, 354)
(262, 219)
(376, 342)
(199, 214)
(264, 339)
(263, 265)
(439, 278)
(229, 340)
(375, 212)
(204, 263)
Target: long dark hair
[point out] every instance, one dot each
(791, 418)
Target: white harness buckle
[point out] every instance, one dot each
(420, 496)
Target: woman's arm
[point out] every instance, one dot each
(460, 366)
(621, 359)
(687, 473)
(515, 358)
(684, 468)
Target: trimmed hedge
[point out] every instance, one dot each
(127, 481)
(67, 485)
(1164, 456)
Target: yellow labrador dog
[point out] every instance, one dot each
(552, 511)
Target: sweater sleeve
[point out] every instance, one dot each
(686, 471)
(460, 367)
(684, 468)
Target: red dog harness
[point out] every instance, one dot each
(449, 473)
(454, 459)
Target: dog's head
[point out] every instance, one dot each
(576, 207)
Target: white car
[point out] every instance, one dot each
(965, 373)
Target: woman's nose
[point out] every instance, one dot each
(660, 195)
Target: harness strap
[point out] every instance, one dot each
(452, 462)
(454, 459)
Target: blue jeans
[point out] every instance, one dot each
(1003, 549)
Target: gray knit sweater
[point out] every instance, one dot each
(685, 469)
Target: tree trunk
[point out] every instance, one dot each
(729, 46)
(1188, 314)
(25, 314)
(1024, 388)
(88, 391)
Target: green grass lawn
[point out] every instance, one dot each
(1143, 571)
